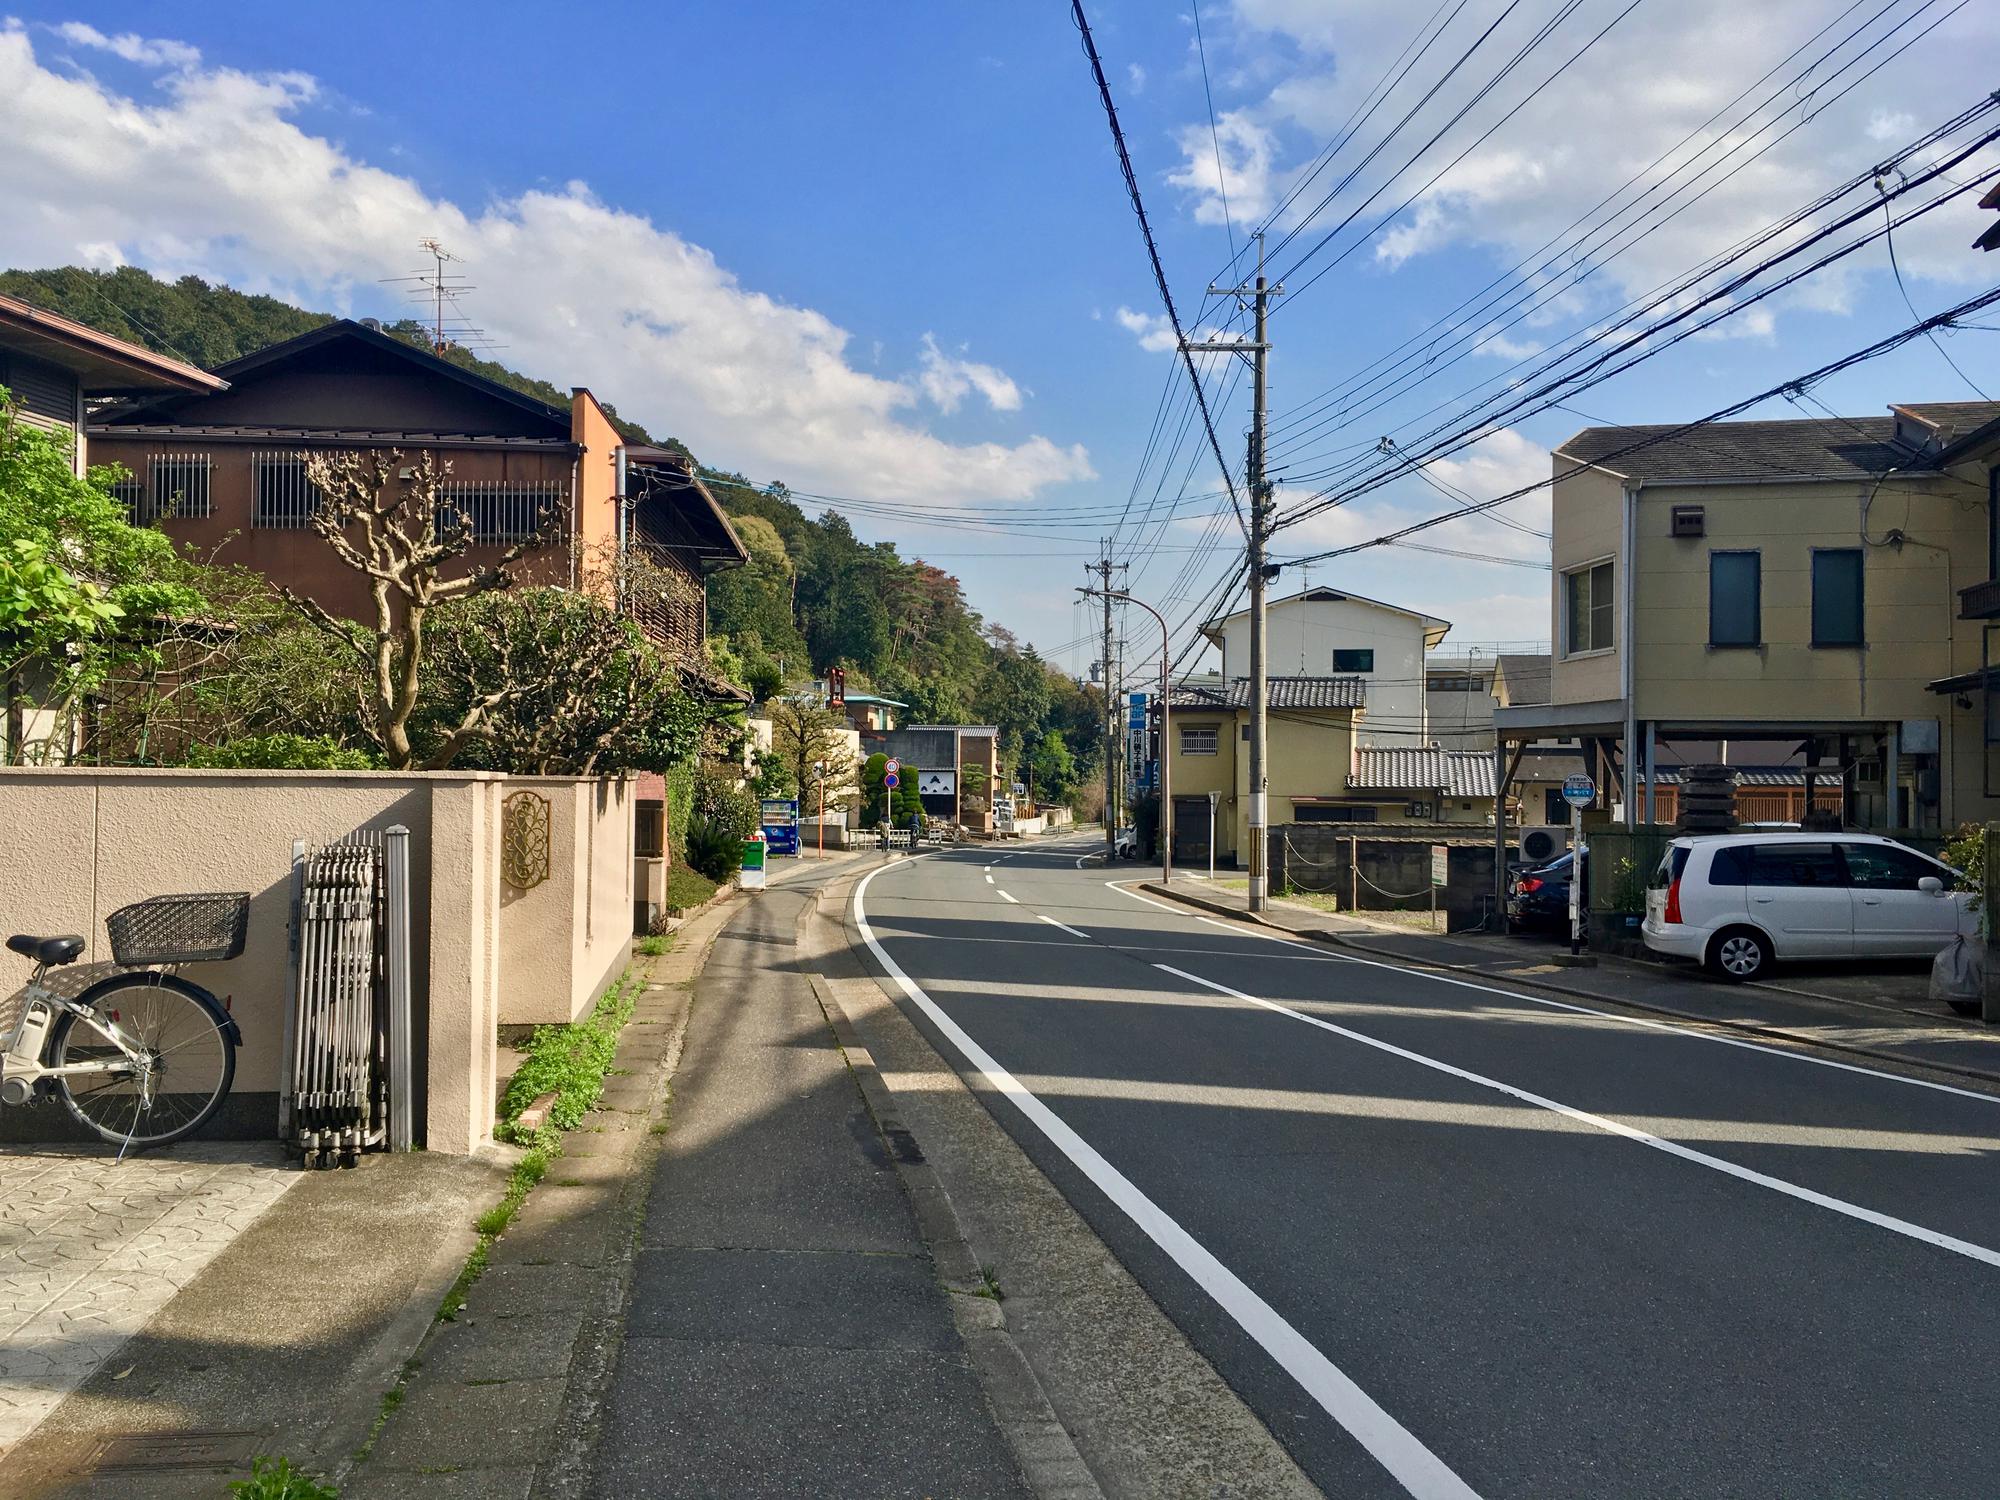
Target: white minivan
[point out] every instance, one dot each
(1739, 902)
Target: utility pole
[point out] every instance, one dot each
(1103, 568)
(1258, 353)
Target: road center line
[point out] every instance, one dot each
(1066, 928)
(1672, 1148)
(1420, 1472)
(1005, 897)
(1646, 1022)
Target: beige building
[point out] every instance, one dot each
(1793, 588)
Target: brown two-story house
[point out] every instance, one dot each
(225, 472)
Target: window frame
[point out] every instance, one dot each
(1756, 641)
(1860, 640)
(1588, 572)
(1213, 731)
(1340, 651)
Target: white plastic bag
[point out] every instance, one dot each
(1958, 975)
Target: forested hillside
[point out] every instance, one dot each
(813, 596)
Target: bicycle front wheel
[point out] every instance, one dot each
(184, 1065)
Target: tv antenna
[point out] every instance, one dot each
(439, 290)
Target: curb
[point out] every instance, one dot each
(1767, 1033)
(1048, 1456)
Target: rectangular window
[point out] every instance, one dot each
(1592, 609)
(1309, 813)
(177, 486)
(285, 499)
(1836, 596)
(1816, 865)
(1735, 599)
(131, 494)
(1199, 739)
(1354, 659)
(499, 512)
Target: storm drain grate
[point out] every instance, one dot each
(143, 1452)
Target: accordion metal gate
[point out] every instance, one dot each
(346, 1083)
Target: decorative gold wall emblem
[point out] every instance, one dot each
(524, 840)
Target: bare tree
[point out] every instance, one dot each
(385, 518)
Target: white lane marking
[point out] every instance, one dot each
(1615, 1127)
(1420, 1472)
(1177, 911)
(989, 877)
(1065, 927)
(1647, 1022)
(1243, 930)
(1005, 897)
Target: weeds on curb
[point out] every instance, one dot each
(570, 1062)
(276, 1479)
(654, 946)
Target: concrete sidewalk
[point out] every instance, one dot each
(786, 1332)
(1776, 1011)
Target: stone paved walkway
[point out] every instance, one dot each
(91, 1248)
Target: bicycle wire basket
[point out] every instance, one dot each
(199, 928)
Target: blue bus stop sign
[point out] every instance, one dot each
(1579, 791)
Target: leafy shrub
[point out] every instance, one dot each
(283, 752)
(276, 1479)
(687, 889)
(713, 850)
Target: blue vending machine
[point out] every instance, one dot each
(781, 825)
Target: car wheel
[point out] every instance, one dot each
(1738, 954)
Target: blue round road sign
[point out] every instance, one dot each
(890, 779)
(1579, 791)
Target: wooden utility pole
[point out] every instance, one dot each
(1257, 351)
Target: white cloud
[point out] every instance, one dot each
(947, 381)
(219, 178)
(1138, 76)
(1652, 81)
(147, 52)
(1154, 332)
(1243, 176)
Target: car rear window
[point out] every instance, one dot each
(1671, 864)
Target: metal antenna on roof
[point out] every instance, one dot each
(438, 290)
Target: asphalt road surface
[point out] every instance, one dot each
(1449, 1239)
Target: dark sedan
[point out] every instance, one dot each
(1539, 898)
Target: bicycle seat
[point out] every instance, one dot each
(47, 950)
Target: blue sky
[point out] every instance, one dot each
(885, 252)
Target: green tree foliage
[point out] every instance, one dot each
(81, 589)
(568, 688)
(283, 752)
(1053, 768)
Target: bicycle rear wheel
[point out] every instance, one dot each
(191, 1060)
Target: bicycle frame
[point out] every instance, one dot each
(22, 1071)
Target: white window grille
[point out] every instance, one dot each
(499, 512)
(1199, 739)
(286, 500)
(177, 485)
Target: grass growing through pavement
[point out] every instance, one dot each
(276, 1479)
(572, 1063)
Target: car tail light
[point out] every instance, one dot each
(1673, 911)
(1530, 885)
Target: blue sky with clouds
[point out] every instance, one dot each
(884, 252)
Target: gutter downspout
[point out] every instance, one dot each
(1626, 645)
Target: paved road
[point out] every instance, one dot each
(1451, 1240)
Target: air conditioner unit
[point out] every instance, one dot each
(1542, 843)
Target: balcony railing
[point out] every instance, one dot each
(1981, 601)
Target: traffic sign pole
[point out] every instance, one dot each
(1579, 792)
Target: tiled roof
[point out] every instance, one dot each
(1813, 448)
(1284, 693)
(1458, 773)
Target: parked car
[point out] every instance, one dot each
(1740, 902)
(1539, 898)
(1125, 843)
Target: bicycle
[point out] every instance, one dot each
(142, 1057)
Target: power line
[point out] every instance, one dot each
(1801, 383)
(1152, 250)
(1889, 238)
